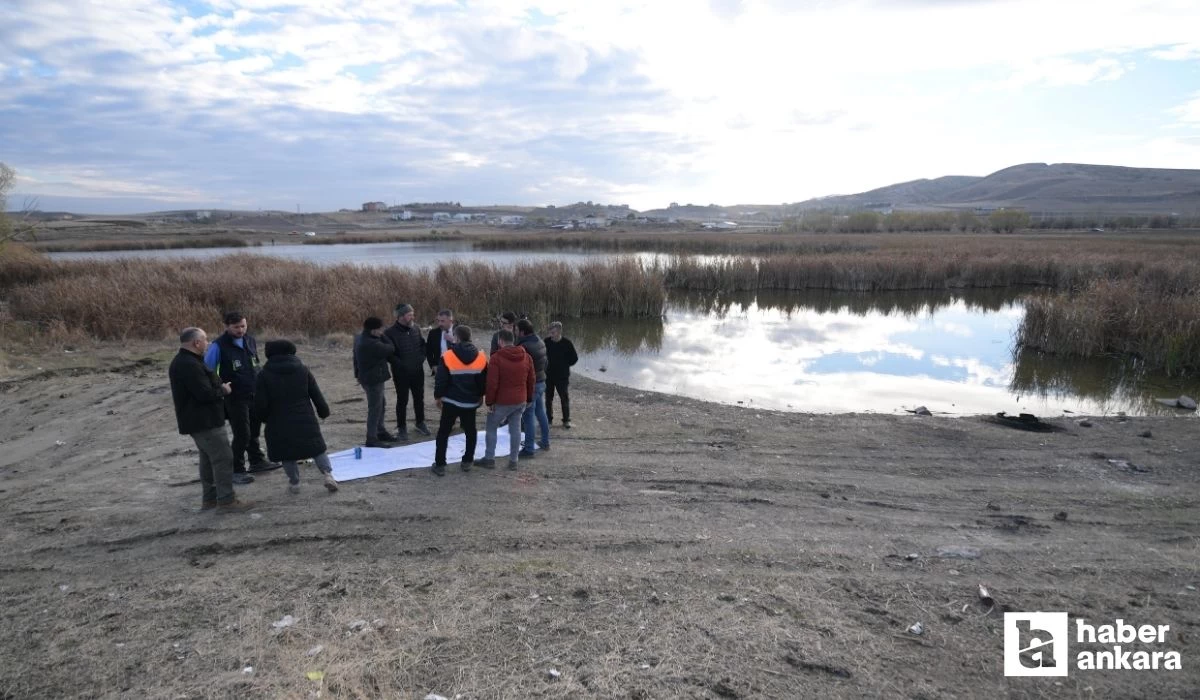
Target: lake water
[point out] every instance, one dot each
(823, 352)
(884, 353)
(399, 254)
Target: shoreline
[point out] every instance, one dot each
(664, 546)
(110, 357)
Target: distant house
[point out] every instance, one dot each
(374, 206)
(723, 225)
(202, 215)
(594, 222)
(442, 216)
(405, 215)
(512, 220)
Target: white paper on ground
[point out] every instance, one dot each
(381, 460)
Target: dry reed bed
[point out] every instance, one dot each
(1136, 297)
(434, 236)
(152, 298)
(918, 270)
(1119, 317)
(699, 244)
(97, 246)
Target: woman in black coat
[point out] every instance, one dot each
(284, 397)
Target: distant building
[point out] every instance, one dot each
(594, 222)
(441, 216)
(724, 225)
(405, 215)
(512, 220)
(374, 206)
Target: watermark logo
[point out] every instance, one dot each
(1035, 644)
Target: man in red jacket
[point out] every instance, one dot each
(510, 383)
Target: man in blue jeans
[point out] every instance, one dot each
(537, 408)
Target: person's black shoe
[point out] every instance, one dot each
(486, 463)
(512, 466)
(544, 448)
(566, 425)
(423, 429)
(263, 466)
(439, 469)
(527, 454)
(385, 436)
(401, 436)
(466, 466)
(379, 443)
(242, 478)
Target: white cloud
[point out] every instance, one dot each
(1059, 72)
(1189, 112)
(758, 100)
(1179, 52)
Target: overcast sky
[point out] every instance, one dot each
(122, 105)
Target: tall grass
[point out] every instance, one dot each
(703, 244)
(341, 238)
(153, 298)
(1131, 295)
(1131, 317)
(95, 246)
(922, 271)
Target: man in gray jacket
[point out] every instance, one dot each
(372, 350)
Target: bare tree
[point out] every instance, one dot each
(7, 176)
(23, 226)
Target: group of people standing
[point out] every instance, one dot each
(224, 381)
(512, 381)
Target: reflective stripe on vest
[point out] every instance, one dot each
(456, 366)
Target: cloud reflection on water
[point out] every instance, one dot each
(836, 352)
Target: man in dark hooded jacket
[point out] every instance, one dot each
(536, 409)
(372, 349)
(458, 388)
(407, 375)
(284, 397)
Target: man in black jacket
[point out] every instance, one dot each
(234, 356)
(508, 322)
(372, 352)
(198, 395)
(439, 340)
(536, 410)
(406, 370)
(459, 388)
(560, 357)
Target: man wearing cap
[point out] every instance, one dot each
(372, 351)
(407, 375)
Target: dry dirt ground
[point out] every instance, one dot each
(663, 548)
